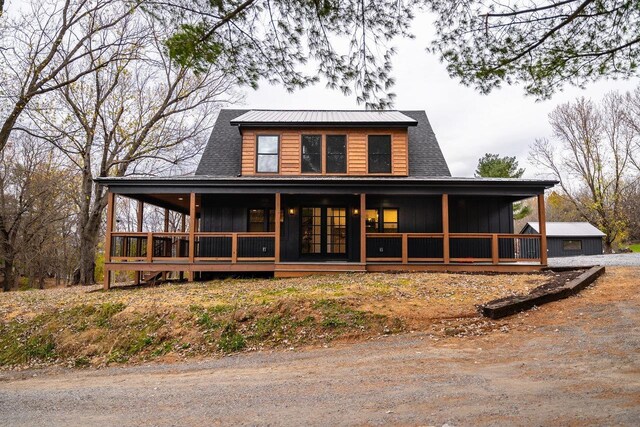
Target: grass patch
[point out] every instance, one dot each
(337, 315)
(22, 343)
(635, 247)
(231, 340)
(271, 294)
(211, 318)
(269, 326)
(84, 316)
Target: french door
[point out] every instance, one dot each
(323, 232)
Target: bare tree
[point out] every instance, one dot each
(34, 209)
(631, 207)
(632, 115)
(590, 156)
(44, 48)
(139, 114)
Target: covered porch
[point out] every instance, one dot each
(327, 228)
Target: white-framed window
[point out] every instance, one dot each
(267, 153)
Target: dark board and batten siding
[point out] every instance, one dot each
(415, 215)
(227, 213)
(479, 215)
(590, 246)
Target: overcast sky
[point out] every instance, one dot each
(466, 123)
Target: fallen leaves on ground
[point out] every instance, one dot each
(85, 326)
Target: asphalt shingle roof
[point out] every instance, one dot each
(568, 229)
(222, 155)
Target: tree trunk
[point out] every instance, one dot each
(9, 255)
(608, 246)
(10, 121)
(91, 210)
(87, 263)
(89, 236)
(9, 277)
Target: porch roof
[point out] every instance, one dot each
(517, 188)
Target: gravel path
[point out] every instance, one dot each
(572, 362)
(629, 260)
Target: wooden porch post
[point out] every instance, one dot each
(107, 243)
(183, 228)
(277, 228)
(166, 230)
(405, 248)
(495, 249)
(139, 219)
(192, 234)
(445, 228)
(543, 229)
(363, 228)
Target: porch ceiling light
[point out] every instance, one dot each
(181, 198)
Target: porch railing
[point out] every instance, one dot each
(208, 246)
(235, 247)
(405, 247)
(487, 248)
(493, 248)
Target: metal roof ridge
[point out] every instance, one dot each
(324, 110)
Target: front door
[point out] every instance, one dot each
(324, 232)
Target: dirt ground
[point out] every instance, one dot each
(572, 362)
(88, 327)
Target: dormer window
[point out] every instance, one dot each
(379, 153)
(267, 153)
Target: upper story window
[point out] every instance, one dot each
(312, 153)
(267, 153)
(379, 153)
(336, 154)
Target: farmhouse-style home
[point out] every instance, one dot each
(300, 192)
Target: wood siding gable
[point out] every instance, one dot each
(290, 150)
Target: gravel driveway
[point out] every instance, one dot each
(629, 260)
(572, 362)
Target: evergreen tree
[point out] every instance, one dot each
(494, 166)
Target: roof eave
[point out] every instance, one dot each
(406, 186)
(323, 124)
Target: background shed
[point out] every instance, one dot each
(569, 238)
